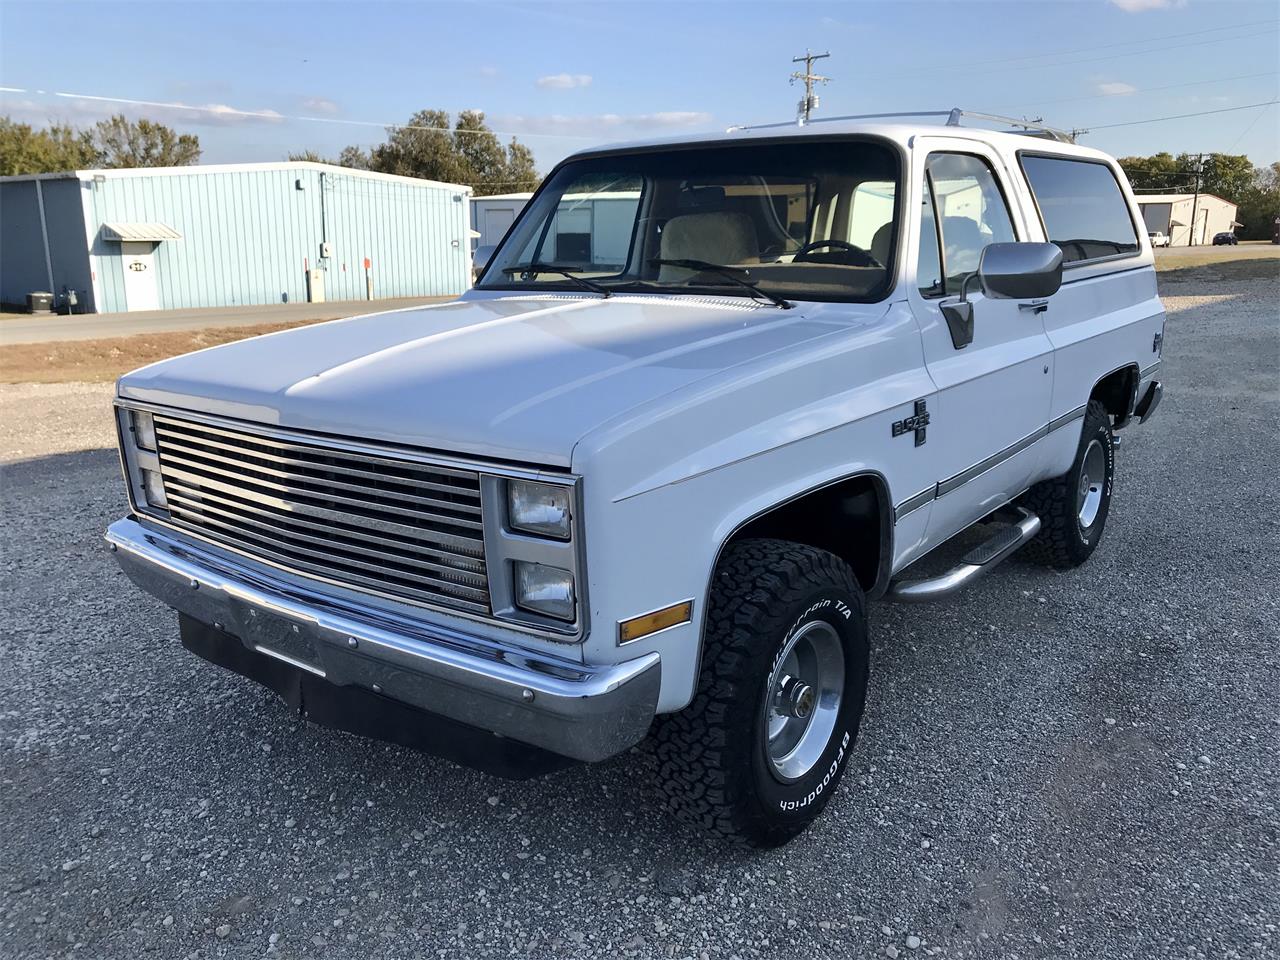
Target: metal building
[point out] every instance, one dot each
(222, 235)
(1187, 219)
(492, 216)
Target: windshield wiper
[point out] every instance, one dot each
(564, 271)
(738, 275)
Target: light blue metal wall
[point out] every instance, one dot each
(248, 234)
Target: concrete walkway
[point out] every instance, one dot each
(25, 328)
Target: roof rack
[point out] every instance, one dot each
(1032, 128)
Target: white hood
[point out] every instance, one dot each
(518, 378)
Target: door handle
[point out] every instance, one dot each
(1035, 306)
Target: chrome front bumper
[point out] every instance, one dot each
(579, 711)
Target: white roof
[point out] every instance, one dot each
(129, 172)
(503, 196)
(900, 133)
(1179, 198)
(128, 232)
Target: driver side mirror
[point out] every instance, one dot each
(1015, 271)
(1006, 271)
(480, 259)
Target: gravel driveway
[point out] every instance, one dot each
(1077, 764)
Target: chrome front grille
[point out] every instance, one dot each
(383, 524)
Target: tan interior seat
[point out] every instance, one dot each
(880, 243)
(722, 237)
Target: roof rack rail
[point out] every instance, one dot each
(1033, 128)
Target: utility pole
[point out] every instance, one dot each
(1195, 200)
(810, 101)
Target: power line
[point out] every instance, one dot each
(1114, 96)
(1039, 63)
(1123, 43)
(1180, 116)
(1246, 130)
(271, 116)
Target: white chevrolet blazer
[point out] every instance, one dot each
(708, 398)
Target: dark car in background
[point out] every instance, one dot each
(1222, 239)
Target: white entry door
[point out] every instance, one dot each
(141, 291)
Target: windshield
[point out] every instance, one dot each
(810, 220)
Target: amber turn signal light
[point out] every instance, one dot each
(644, 625)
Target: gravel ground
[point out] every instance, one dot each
(1065, 765)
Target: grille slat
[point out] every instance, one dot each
(388, 525)
(310, 485)
(456, 550)
(293, 539)
(230, 453)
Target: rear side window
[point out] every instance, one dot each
(1082, 207)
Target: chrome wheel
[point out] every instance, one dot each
(1093, 474)
(802, 702)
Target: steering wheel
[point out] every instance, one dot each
(867, 259)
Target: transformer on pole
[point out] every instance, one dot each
(810, 101)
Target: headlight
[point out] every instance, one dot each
(153, 487)
(144, 430)
(540, 508)
(543, 589)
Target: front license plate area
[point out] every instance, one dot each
(280, 637)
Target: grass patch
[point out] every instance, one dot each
(97, 361)
(1216, 264)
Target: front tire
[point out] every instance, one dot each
(1073, 508)
(757, 754)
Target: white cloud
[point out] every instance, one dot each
(564, 81)
(488, 71)
(1141, 6)
(85, 109)
(1116, 89)
(603, 124)
(320, 105)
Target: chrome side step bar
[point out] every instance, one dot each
(972, 565)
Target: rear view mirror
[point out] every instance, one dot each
(1020, 271)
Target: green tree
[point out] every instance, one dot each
(1260, 204)
(1227, 175)
(1160, 171)
(121, 142)
(308, 156)
(431, 146)
(353, 157)
(24, 149)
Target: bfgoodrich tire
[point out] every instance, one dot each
(758, 753)
(1073, 508)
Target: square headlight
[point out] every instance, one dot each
(153, 488)
(545, 590)
(144, 430)
(538, 508)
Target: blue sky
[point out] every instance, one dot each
(566, 75)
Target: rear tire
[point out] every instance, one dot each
(757, 754)
(1073, 508)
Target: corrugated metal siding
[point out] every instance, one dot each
(68, 246)
(22, 263)
(22, 266)
(246, 235)
(412, 235)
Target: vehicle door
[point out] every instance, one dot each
(993, 389)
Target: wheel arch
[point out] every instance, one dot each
(1117, 391)
(863, 500)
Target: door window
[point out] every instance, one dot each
(964, 211)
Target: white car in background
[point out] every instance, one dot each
(1158, 239)
(649, 473)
